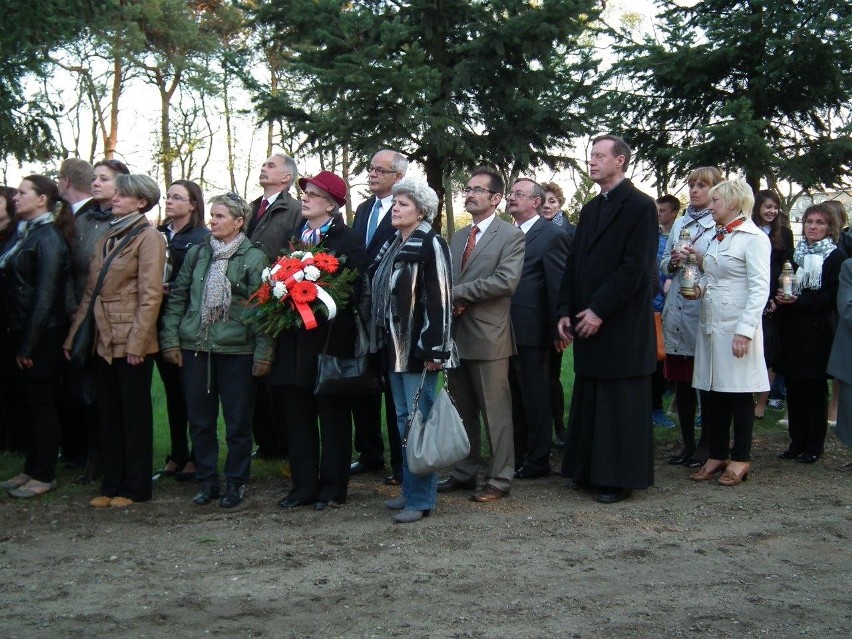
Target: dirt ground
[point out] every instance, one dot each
(769, 558)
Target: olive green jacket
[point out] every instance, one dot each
(181, 323)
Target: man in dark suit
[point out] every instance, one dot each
(488, 256)
(606, 311)
(274, 216)
(534, 323)
(373, 224)
(276, 212)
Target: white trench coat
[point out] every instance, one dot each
(734, 287)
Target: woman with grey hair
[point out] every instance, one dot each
(204, 314)
(125, 316)
(410, 324)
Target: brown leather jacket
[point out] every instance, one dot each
(127, 308)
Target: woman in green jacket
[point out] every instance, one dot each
(219, 353)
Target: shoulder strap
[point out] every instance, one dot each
(124, 242)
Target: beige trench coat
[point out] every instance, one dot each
(734, 287)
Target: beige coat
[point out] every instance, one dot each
(127, 308)
(735, 286)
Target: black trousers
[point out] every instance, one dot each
(207, 378)
(658, 387)
(718, 410)
(269, 425)
(531, 410)
(176, 411)
(44, 432)
(807, 412)
(127, 427)
(687, 405)
(367, 417)
(319, 461)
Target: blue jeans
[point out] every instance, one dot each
(420, 491)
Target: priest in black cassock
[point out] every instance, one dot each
(606, 312)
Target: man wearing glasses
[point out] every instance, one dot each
(534, 322)
(487, 258)
(373, 224)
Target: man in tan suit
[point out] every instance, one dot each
(488, 257)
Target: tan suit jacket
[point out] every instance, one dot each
(485, 286)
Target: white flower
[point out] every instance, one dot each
(297, 254)
(265, 274)
(279, 290)
(312, 273)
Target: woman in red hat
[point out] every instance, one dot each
(319, 460)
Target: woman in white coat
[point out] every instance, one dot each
(729, 365)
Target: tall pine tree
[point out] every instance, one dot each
(450, 83)
(751, 86)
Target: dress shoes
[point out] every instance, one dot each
(206, 495)
(709, 469)
(395, 504)
(358, 468)
(451, 484)
(15, 482)
(488, 494)
(100, 502)
(804, 458)
(410, 516)
(289, 504)
(394, 480)
(33, 488)
(610, 495)
(788, 454)
(120, 502)
(735, 473)
(527, 472)
(233, 496)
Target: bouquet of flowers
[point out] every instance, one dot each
(298, 287)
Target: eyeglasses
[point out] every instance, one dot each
(380, 170)
(311, 194)
(175, 198)
(477, 190)
(518, 195)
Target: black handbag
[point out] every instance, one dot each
(347, 375)
(83, 344)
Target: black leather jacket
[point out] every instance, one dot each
(180, 244)
(34, 286)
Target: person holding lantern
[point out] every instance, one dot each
(319, 462)
(729, 364)
(807, 325)
(689, 235)
(205, 334)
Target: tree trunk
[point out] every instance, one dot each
(435, 178)
(346, 176)
(229, 136)
(448, 207)
(111, 140)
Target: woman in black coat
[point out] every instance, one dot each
(35, 269)
(319, 478)
(183, 229)
(766, 214)
(807, 324)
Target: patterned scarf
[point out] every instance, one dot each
(810, 259)
(695, 214)
(312, 237)
(217, 288)
(381, 292)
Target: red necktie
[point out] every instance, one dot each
(263, 206)
(471, 243)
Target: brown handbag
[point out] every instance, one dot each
(658, 326)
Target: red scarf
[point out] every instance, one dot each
(722, 232)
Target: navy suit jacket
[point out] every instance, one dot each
(384, 231)
(537, 296)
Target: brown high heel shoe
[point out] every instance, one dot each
(709, 469)
(733, 476)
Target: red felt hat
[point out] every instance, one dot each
(328, 182)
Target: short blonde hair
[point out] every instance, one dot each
(735, 192)
(708, 174)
